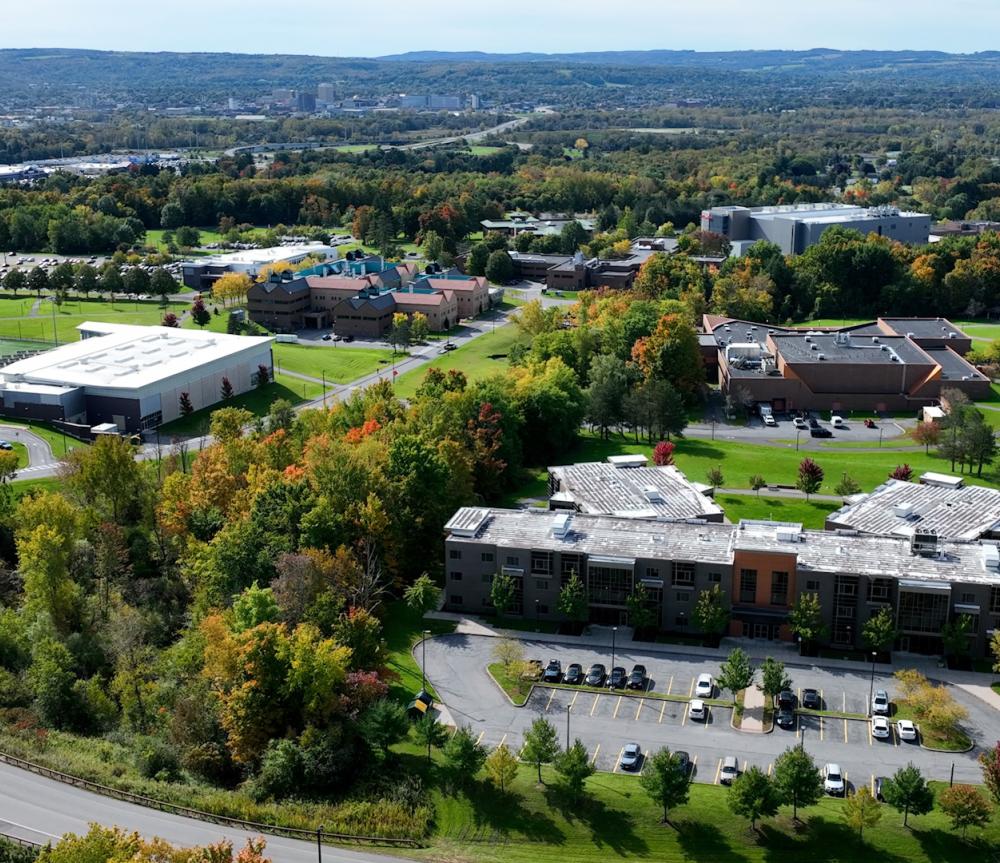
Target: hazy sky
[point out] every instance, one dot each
(392, 26)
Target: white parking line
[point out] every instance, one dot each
(618, 760)
(638, 710)
(645, 758)
(549, 703)
(619, 704)
(502, 741)
(575, 696)
(662, 708)
(594, 705)
(594, 759)
(718, 770)
(670, 685)
(480, 738)
(684, 715)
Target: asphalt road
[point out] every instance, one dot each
(605, 722)
(39, 809)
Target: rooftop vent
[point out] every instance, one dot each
(875, 340)
(788, 533)
(991, 557)
(560, 525)
(652, 494)
(904, 510)
(924, 542)
(821, 356)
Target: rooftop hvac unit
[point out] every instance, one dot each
(883, 347)
(788, 533)
(875, 340)
(991, 557)
(560, 525)
(904, 510)
(814, 347)
(924, 542)
(952, 335)
(809, 338)
(821, 357)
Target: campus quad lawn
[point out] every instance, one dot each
(483, 356)
(72, 313)
(341, 363)
(401, 628)
(615, 819)
(257, 401)
(810, 513)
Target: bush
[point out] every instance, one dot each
(213, 763)
(157, 759)
(11, 852)
(280, 772)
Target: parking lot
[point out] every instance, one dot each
(605, 721)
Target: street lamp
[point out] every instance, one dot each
(423, 661)
(319, 843)
(537, 624)
(798, 433)
(871, 686)
(614, 631)
(568, 708)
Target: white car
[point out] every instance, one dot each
(697, 709)
(799, 423)
(907, 730)
(730, 770)
(769, 420)
(630, 757)
(880, 703)
(837, 422)
(833, 780)
(880, 728)
(704, 687)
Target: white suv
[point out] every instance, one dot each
(704, 687)
(833, 780)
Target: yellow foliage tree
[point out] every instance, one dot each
(231, 288)
(276, 267)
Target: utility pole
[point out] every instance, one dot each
(423, 661)
(871, 686)
(614, 632)
(319, 843)
(568, 708)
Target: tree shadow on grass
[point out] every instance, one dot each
(503, 814)
(818, 839)
(610, 828)
(948, 845)
(703, 841)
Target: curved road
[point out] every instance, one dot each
(41, 460)
(39, 810)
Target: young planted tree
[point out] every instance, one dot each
(501, 767)
(502, 593)
(185, 405)
(226, 390)
(902, 472)
(170, 320)
(736, 673)
(995, 650)
(263, 375)
(810, 477)
(541, 744)
(641, 615)
(965, 806)
(710, 613)
(423, 594)
(773, 678)
(664, 781)
(806, 618)
(572, 600)
(757, 482)
(907, 791)
(382, 725)
(797, 779)
(199, 314)
(663, 453)
(509, 652)
(753, 795)
(463, 757)
(574, 768)
(879, 631)
(861, 810)
(715, 477)
(926, 433)
(847, 486)
(955, 637)
(430, 732)
(989, 760)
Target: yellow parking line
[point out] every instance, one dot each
(670, 685)
(694, 764)
(691, 688)
(894, 734)
(549, 702)
(593, 707)
(618, 760)
(662, 708)
(575, 696)
(684, 715)
(869, 733)
(718, 770)
(619, 704)
(594, 759)
(770, 768)
(638, 710)
(845, 731)
(821, 728)
(645, 758)
(480, 738)
(873, 785)
(502, 741)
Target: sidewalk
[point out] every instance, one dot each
(753, 711)
(600, 637)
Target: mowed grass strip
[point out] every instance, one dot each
(483, 356)
(811, 513)
(340, 363)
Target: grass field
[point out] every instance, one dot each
(479, 358)
(810, 513)
(977, 328)
(69, 315)
(402, 627)
(258, 402)
(341, 364)
(482, 150)
(60, 443)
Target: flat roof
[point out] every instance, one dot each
(814, 550)
(953, 367)
(126, 356)
(633, 491)
(965, 513)
(798, 348)
(262, 257)
(925, 328)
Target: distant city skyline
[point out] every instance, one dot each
(367, 28)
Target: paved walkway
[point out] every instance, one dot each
(753, 711)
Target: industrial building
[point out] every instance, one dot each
(131, 376)
(761, 568)
(796, 227)
(202, 273)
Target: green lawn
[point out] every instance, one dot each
(534, 823)
(342, 364)
(808, 513)
(60, 443)
(45, 483)
(479, 358)
(72, 313)
(257, 401)
(482, 150)
(977, 328)
(308, 389)
(402, 627)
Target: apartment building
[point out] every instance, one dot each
(762, 568)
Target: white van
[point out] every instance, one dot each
(837, 422)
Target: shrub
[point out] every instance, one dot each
(157, 759)
(280, 771)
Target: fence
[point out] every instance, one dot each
(184, 811)
(17, 840)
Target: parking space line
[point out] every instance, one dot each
(670, 685)
(694, 764)
(894, 734)
(869, 733)
(638, 710)
(691, 688)
(708, 716)
(662, 708)
(480, 738)
(684, 715)
(594, 759)
(619, 704)
(502, 741)
(821, 728)
(575, 696)
(770, 768)
(593, 707)
(645, 758)
(718, 770)
(845, 731)
(618, 760)
(873, 785)
(845, 703)
(549, 703)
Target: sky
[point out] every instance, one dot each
(379, 27)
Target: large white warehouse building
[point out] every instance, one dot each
(132, 376)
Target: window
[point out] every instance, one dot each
(487, 578)
(543, 609)
(608, 585)
(968, 599)
(922, 612)
(879, 589)
(846, 587)
(455, 554)
(748, 585)
(652, 572)
(715, 577)
(513, 560)
(682, 574)
(812, 586)
(541, 584)
(455, 576)
(995, 600)
(454, 599)
(682, 596)
(541, 562)
(569, 565)
(844, 612)
(779, 588)
(486, 557)
(681, 620)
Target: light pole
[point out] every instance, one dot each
(798, 433)
(319, 843)
(568, 708)
(423, 661)
(614, 632)
(871, 686)
(537, 624)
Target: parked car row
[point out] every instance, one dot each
(597, 675)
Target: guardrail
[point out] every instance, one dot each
(17, 840)
(174, 809)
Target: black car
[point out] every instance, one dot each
(637, 679)
(785, 719)
(811, 700)
(813, 423)
(786, 699)
(553, 671)
(574, 674)
(618, 677)
(348, 338)
(820, 432)
(596, 675)
(683, 761)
